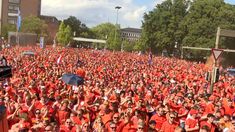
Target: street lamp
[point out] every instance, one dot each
(117, 8)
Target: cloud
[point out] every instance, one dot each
(94, 12)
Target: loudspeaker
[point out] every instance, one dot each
(5, 72)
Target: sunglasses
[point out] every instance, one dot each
(115, 117)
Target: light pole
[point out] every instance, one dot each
(115, 37)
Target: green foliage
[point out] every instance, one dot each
(78, 27)
(103, 30)
(188, 23)
(161, 27)
(64, 34)
(8, 28)
(107, 32)
(35, 25)
(128, 46)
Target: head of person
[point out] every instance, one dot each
(46, 121)
(179, 129)
(227, 118)
(160, 110)
(230, 103)
(140, 126)
(193, 113)
(204, 129)
(85, 127)
(116, 118)
(210, 118)
(69, 123)
(171, 117)
(113, 126)
(48, 128)
(152, 124)
(37, 113)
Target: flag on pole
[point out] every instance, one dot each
(59, 59)
(18, 20)
(150, 61)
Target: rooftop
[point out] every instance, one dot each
(136, 30)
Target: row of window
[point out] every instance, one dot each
(14, 1)
(11, 21)
(13, 7)
(131, 39)
(131, 35)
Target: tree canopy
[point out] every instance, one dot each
(33, 24)
(107, 32)
(187, 23)
(64, 34)
(80, 29)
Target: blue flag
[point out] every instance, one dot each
(18, 20)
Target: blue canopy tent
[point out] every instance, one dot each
(231, 72)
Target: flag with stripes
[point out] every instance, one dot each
(18, 20)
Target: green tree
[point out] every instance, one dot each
(202, 21)
(107, 31)
(64, 34)
(35, 25)
(8, 28)
(161, 27)
(78, 27)
(102, 31)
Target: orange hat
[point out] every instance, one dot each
(193, 111)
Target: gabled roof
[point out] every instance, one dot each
(136, 30)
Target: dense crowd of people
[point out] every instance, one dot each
(122, 92)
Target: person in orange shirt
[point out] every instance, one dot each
(191, 124)
(229, 108)
(68, 126)
(170, 124)
(159, 117)
(209, 122)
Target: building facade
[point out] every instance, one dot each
(131, 34)
(53, 27)
(9, 10)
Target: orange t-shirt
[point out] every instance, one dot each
(191, 123)
(205, 123)
(159, 120)
(167, 127)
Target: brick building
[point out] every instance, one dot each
(9, 10)
(53, 27)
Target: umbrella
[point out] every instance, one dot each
(72, 79)
(231, 72)
(28, 53)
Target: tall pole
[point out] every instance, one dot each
(115, 37)
(215, 62)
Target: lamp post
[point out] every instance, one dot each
(115, 39)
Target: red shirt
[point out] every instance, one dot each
(159, 120)
(64, 128)
(191, 123)
(211, 126)
(167, 127)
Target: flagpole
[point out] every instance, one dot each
(18, 27)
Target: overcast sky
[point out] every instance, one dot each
(94, 12)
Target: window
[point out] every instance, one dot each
(11, 7)
(14, 1)
(11, 21)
